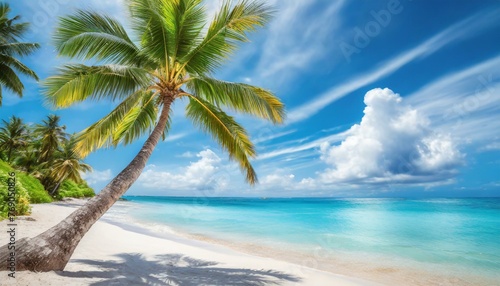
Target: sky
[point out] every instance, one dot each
(384, 99)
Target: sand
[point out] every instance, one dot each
(118, 254)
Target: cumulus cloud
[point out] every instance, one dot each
(201, 174)
(283, 180)
(278, 180)
(393, 143)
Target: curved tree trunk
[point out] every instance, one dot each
(51, 193)
(52, 249)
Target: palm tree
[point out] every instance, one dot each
(173, 57)
(28, 160)
(68, 165)
(13, 136)
(11, 48)
(51, 135)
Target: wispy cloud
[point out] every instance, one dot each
(495, 146)
(272, 135)
(303, 147)
(466, 103)
(175, 137)
(455, 33)
(281, 55)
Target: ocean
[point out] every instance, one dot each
(449, 241)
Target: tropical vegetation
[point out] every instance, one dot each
(11, 48)
(28, 190)
(172, 55)
(43, 160)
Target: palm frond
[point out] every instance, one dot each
(69, 164)
(17, 65)
(101, 133)
(10, 46)
(77, 82)
(10, 80)
(226, 131)
(137, 122)
(240, 97)
(153, 20)
(88, 35)
(10, 31)
(187, 24)
(18, 49)
(229, 27)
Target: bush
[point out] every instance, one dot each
(70, 189)
(28, 190)
(34, 188)
(22, 197)
(38, 194)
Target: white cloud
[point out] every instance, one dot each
(277, 180)
(393, 143)
(198, 175)
(302, 147)
(269, 134)
(175, 137)
(281, 54)
(96, 176)
(188, 155)
(495, 146)
(465, 102)
(457, 32)
(282, 180)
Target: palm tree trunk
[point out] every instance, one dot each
(55, 188)
(52, 249)
(9, 155)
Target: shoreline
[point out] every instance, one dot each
(386, 270)
(112, 254)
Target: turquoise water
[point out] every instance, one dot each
(461, 233)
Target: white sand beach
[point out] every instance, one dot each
(113, 255)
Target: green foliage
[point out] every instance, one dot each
(21, 198)
(70, 189)
(45, 151)
(11, 47)
(68, 164)
(28, 190)
(13, 137)
(226, 131)
(37, 193)
(34, 189)
(176, 52)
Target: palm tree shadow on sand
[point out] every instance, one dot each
(174, 269)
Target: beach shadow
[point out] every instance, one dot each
(174, 269)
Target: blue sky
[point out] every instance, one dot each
(384, 98)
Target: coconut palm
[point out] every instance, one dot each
(13, 137)
(11, 48)
(67, 165)
(172, 56)
(27, 160)
(52, 135)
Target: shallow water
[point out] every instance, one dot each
(455, 239)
